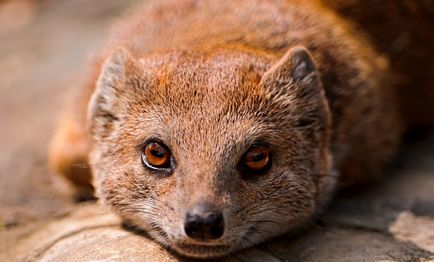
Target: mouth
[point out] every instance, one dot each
(201, 250)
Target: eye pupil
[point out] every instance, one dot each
(257, 157)
(158, 153)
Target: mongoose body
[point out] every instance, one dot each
(215, 125)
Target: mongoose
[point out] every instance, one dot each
(216, 125)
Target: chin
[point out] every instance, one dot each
(192, 250)
(202, 251)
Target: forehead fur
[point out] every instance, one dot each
(193, 79)
(198, 93)
(193, 99)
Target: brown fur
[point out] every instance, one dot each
(210, 78)
(406, 35)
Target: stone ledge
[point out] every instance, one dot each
(93, 233)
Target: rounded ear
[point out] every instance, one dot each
(118, 73)
(294, 81)
(295, 68)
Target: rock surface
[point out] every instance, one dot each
(40, 57)
(93, 233)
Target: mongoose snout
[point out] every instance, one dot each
(203, 222)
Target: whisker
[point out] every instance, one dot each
(255, 230)
(324, 175)
(267, 221)
(171, 209)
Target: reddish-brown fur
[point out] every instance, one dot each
(405, 34)
(210, 78)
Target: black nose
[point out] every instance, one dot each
(203, 223)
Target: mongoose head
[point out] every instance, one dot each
(211, 152)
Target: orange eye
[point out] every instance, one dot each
(256, 159)
(156, 155)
